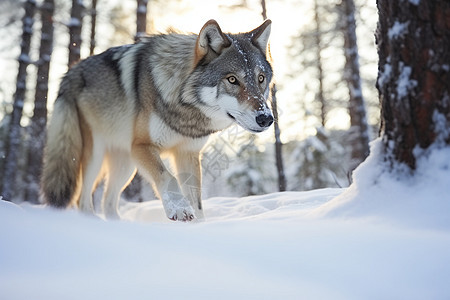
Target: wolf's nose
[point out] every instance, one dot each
(264, 120)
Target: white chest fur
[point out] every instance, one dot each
(166, 138)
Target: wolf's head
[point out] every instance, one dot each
(233, 76)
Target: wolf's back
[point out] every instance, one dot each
(63, 151)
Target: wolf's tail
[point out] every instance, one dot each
(63, 151)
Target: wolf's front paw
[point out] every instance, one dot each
(179, 210)
(182, 215)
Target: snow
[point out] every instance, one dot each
(442, 127)
(397, 198)
(355, 91)
(398, 30)
(385, 237)
(74, 22)
(24, 58)
(142, 9)
(28, 21)
(404, 83)
(385, 75)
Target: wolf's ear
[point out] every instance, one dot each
(260, 35)
(210, 42)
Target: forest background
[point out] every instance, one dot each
(312, 59)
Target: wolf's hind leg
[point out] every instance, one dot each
(92, 163)
(120, 171)
(189, 176)
(176, 206)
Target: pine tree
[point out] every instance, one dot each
(318, 36)
(318, 161)
(413, 39)
(12, 148)
(39, 119)
(249, 176)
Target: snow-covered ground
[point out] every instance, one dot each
(385, 237)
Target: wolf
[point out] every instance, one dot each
(126, 108)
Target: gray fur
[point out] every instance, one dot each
(124, 107)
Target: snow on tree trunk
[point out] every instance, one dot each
(39, 119)
(278, 144)
(12, 148)
(359, 133)
(75, 24)
(413, 39)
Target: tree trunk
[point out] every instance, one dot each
(134, 190)
(13, 142)
(264, 10)
(141, 19)
(39, 119)
(75, 24)
(93, 25)
(278, 143)
(413, 39)
(359, 133)
(318, 46)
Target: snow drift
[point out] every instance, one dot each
(385, 237)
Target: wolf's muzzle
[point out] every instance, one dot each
(264, 120)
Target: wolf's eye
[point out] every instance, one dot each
(232, 80)
(261, 78)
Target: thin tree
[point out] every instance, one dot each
(277, 133)
(141, 19)
(319, 64)
(75, 25)
(39, 119)
(93, 26)
(134, 190)
(413, 39)
(12, 148)
(359, 133)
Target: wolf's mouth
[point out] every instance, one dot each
(243, 126)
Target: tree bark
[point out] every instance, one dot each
(13, 142)
(413, 39)
(75, 25)
(359, 133)
(39, 119)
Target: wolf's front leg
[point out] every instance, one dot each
(189, 175)
(176, 206)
